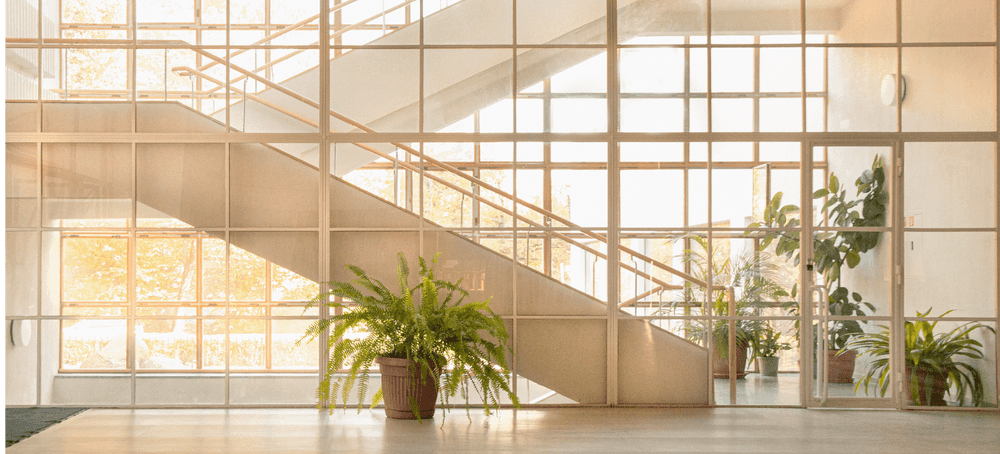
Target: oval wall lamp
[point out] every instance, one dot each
(20, 332)
(889, 89)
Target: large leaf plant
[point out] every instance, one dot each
(428, 323)
(833, 250)
(941, 355)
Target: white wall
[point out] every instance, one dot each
(946, 184)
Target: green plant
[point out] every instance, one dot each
(767, 344)
(832, 250)
(757, 277)
(425, 323)
(927, 355)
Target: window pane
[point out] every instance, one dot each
(166, 344)
(166, 269)
(954, 89)
(781, 69)
(558, 21)
(22, 185)
(286, 285)
(87, 184)
(94, 269)
(579, 115)
(656, 70)
(284, 353)
(853, 22)
(925, 21)
(652, 115)
(213, 269)
(93, 344)
(732, 115)
(246, 273)
(732, 70)
(247, 344)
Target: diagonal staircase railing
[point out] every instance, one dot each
(516, 201)
(451, 169)
(298, 25)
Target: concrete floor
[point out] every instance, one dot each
(603, 430)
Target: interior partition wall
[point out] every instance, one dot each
(183, 176)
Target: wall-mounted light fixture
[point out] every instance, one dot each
(20, 332)
(889, 89)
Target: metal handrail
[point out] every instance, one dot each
(470, 178)
(447, 167)
(293, 27)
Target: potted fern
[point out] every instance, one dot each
(415, 335)
(934, 363)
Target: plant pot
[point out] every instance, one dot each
(840, 368)
(401, 386)
(939, 385)
(721, 369)
(768, 366)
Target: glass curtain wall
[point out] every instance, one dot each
(217, 161)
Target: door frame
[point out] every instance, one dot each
(808, 299)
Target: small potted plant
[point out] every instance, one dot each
(934, 363)
(414, 336)
(768, 344)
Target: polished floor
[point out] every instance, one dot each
(756, 389)
(577, 430)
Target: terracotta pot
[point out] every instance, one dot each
(721, 366)
(768, 366)
(938, 387)
(400, 387)
(841, 368)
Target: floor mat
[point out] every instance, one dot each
(25, 422)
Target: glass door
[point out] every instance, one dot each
(849, 277)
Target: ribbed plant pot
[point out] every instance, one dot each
(401, 386)
(768, 366)
(721, 368)
(841, 368)
(939, 384)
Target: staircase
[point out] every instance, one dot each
(566, 356)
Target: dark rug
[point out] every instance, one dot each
(25, 422)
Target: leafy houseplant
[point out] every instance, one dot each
(934, 363)
(757, 277)
(832, 250)
(767, 346)
(417, 332)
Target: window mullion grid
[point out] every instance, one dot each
(228, 291)
(200, 305)
(897, 335)
(267, 315)
(613, 203)
(130, 351)
(996, 187)
(324, 182)
(514, 170)
(547, 172)
(707, 309)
